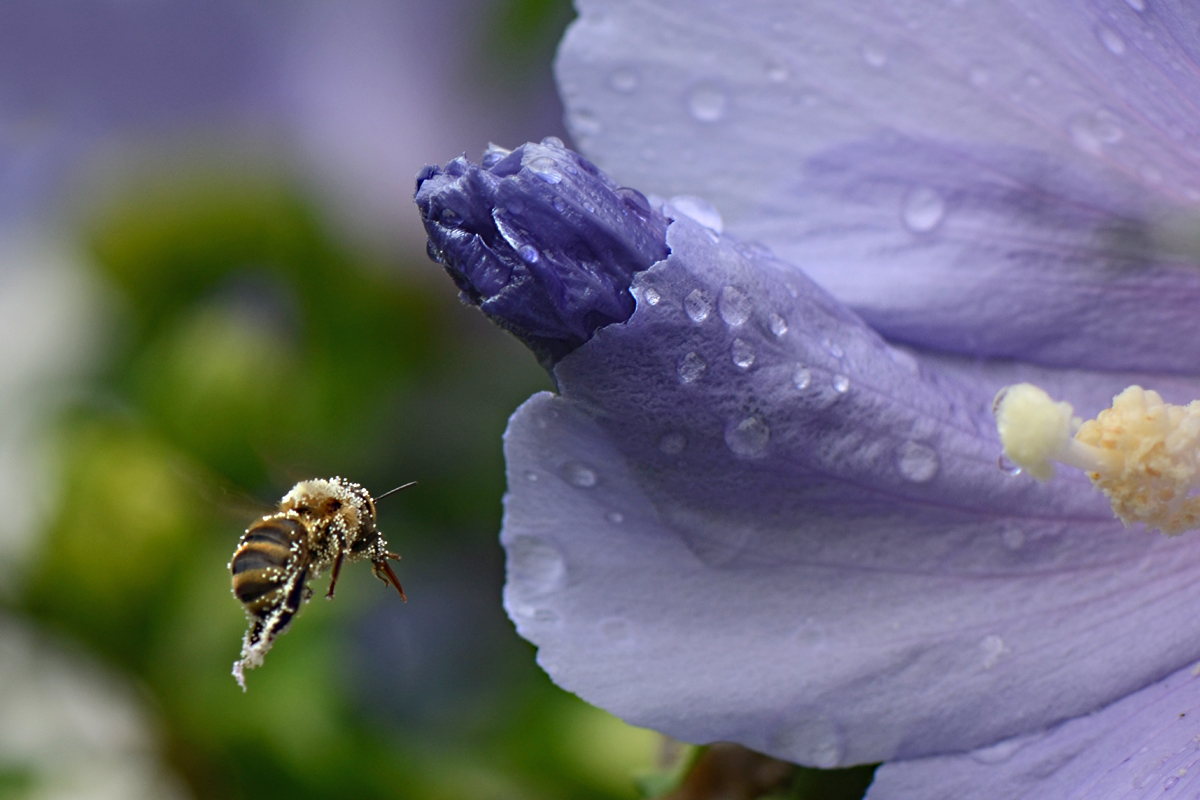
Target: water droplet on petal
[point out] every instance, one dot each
(535, 566)
(553, 141)
(733, 306)
(993, 648)
(615, 630)
(778, 325)
(1111, 40)
(923, 210)
(802, 377)
(531, 476)
(559, 205)
(777, 71)
(814, 740)
(748, 437)
(652, 296)
(591, 209)
(673, 443)
(841, 384)
(833, 349)
(450, 218)
(615, 517)
(698, 209)
(624, 80)
(528, 253)
(691, 367)
(697, 305)
(545, 168)
(742, 353)
(580, 475)
(1006, 466)
(917, 462)
(707, 102)
(1091, 132)
(1170, 782)
(1013, 538)
(1000, 752)
(874, 55)
(583, 123)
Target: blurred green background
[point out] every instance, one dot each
(216, 308)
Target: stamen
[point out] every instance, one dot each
(1143, 453)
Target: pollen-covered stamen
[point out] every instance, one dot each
(1143, 453)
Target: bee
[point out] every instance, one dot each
(320, 524)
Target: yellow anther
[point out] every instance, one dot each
(1143, 453)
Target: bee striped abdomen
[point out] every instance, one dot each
(260, 564)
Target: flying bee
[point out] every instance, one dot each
(319, 524)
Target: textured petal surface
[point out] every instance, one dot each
(541, 241)
(1142, 746)
(748, 518)
(1009, 179)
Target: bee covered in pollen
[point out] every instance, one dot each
(320, 524)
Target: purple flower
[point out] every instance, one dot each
(766, 507)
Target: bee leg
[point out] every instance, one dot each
(386, 568)
(337, 567)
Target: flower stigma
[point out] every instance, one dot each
(1143, 452)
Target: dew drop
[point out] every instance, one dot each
(874, 55)
(1000, 752)
(1006, 466)
(624, 80)
(1111, 40)
(531, 476)
(1170, 782)
(1136, 5)
(733, 306)
(993, 648)
(748, 437)
(778, 325)
(923, 210)
(1013, 538)
(583, 123)
(450, 218)
(1091, 132)
(742, 353)
(707, 102)
(697, 305)
(833, 349)
(493, 156)
(673, 443)
(917, 462)
(535, 566)
(580, 475)
(691, 367)
(615, 517)
(615, 630)
(652, 296)
(553, 141)
(559, 205)
(802, 377)
(841, 384)
(546, 169)
(528, 253)
(591, 209)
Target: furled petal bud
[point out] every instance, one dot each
(540, 240)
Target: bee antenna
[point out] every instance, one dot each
(393, 491)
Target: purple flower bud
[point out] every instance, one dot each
(541, 240)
